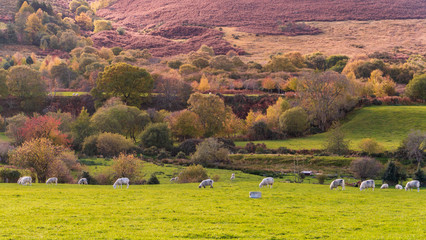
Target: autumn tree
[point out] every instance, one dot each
(323, 94)
(211, 110)
(33, 26)
(126, 120)
(233, 125)
(280, 64)
(39, 154)
(125, 81)
(204, 84)
(14, 124)
(26, 83)
(269, 84)
(127, 165)
(84, 21)
(43, 127)
(274, 112)
(185, 124)
(210, 153)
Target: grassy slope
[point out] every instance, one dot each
(182, 211)
(389, 125)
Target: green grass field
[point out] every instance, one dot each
(183, 211)
(388, 125)
(68, 94)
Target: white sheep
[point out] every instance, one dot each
(413, 184)
(82, 181)
(336, 183)
(207, 182)
(25, 180)
(232, 176)
(385, 185)
(52, 180)
(367, 184)
(175, 179)
(267, 182)
(398, 186)
(120, 182)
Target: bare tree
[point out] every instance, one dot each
(323, 94)
(415, 146)
(365, 168)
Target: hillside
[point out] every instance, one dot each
(389, 125)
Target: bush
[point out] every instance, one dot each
(420, 176)
(189, 146)
(321, 178)
(106, 177)
(111, 144)
(210, 153)
(187, 69)
(416, 88)
(175, 64)
(90, 178)
(151, 151)
(153, 179)
(371, 146)
(392, 174)
(193, 173)
(336, 143)
(9, 175)
(116, 50)
(181, 155)
(365, 168)
(163, 154)
(102, 25)
(126, 166)
(216, 178)
(294, 121)
(157, 134)
(89, 145)
(121, 31)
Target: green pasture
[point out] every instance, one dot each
(67, 94)
(388, 125)
(183, 211)
(3, 137)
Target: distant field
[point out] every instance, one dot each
(348, 37)
(3, 137)
(388, 125)
(68, 93)
(183, 211)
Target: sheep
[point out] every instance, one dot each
(384, 186)
(82, 181)
(25, 180)
(398, 186)
(121, 181)
(207, 182)
(267, 182)
(367, 184)
(336, 183)
(232, 176)
(175, 179)
(52, 180)
(413, 184)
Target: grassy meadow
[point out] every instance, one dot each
(183, 211)
(388, 125)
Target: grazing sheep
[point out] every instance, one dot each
(121, 181)
(207, 182)
(413, 184)
(336, 183)
(384, 186)
(267, 182)
(25, 180)
(367, 184)
(232, 176)
(398, 186)
(52, 180)
(175, 179)
(82, 181)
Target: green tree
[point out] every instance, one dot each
(185, 124)
(26, 83)
(158, 135)
(125, 81)
(294, 121)
(336, 142)
(4, 92)
(416, 88)
(392, 174)
(125, 120)
(82, 128)
(211, 110)
(210, 153)
(68, 40)
(63, 74)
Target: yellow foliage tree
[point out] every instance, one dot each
(274, 112)
(84, 21)
(204, 84)
(268, 84)
(33, 26)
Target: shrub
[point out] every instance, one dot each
(153, 180)
(111, 144)
(116, 50)
(157, 134)
(200, 63)
(181, 155)
(4, 150)
(102, 25)
(365, 168)
(416, 88)
(321, 178)
(420, 176)
(371, 146)
(175, 64)
(193, 173)
(187, 69)
(392, 174)
(121, 31)
(189, 146)
(151, 151)
(163, 154)
(9, 175)
(89, 145)
(294, 121)
(90, 178)
(221, 62)
(336, 143)
(210, 153)
(216, 178)
(126, 166)
(106, 177)
(13, 125)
